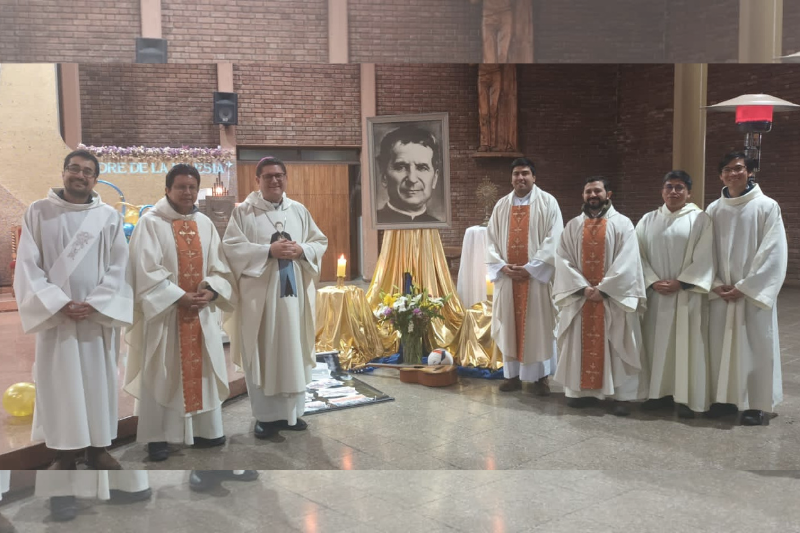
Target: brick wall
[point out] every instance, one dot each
(414, 31)
(149, 105)
(644, 137)
(780, 147)
(44, 31)
(702, 31)
(246, 30)
(298, 105)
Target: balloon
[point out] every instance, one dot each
(128, 229)
(19, 398)
(132, 216)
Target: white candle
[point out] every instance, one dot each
(341, 267)
(489, 286)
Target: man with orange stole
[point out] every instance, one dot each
(523, 233)
(599, 289)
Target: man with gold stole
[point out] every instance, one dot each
(523, 233)
(599, 289)
(275, 250)
(71, 291)
(676, 244)
(176, 363)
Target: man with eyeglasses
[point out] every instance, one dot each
(181, 281)
(751, 254)
(675, 243)
(272, 331)
(71, 290)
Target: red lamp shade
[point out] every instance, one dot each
(753, 113)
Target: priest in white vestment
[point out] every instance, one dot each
(176, 362)
(523, 233)
(275, 250)
(599, 289)
(63, 488)
(675, 243)
(751, 255)
(71, 291)
(5, 524)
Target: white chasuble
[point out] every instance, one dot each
(5, 482)
(272, 330)
(155, 374)
(544, 230)
(751, 253)
(89, 483)
(677, 246)
(71, 252)
(623, 374)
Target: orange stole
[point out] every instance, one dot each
(593, 335)
(518, 255)
(190, 268)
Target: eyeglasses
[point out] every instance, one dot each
(736, 169)
(677, 188)
(280, 176)
(77, 169)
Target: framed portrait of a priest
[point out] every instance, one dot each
(410, 171)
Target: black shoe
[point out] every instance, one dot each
(124, 497)
(621, 409)
(265, 430)
(718, 410)
(63, 508)
(683, 411)
(580, 403)
(202, 480)
(200, 442)
(753, 417)
(654, 404)
(247, 475)
(157, 451)
(284, 424)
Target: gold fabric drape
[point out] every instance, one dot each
(467, 335)
(345, 323)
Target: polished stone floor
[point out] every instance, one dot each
(541, 501)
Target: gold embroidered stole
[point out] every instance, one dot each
(593, 335)
(190, 274)
(518, 255)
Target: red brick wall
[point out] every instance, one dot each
(298, 105)
(644, 137)
(414, 31)
(246, 30)
(781, 147)
(44, 31)
(566, 146)
(149, 105)
(702, 31)
(791, 21)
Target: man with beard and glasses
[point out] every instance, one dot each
(71, 290)
(675, 242)
(600, 290)
(751, 254)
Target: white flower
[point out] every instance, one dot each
(400, 304)
(415, 300)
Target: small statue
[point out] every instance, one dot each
(487, 195)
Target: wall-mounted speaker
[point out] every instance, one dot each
(151, 50)
(226, 108)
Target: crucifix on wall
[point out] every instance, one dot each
(507, 34)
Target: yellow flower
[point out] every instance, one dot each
(388, 300)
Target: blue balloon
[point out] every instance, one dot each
(128, 229)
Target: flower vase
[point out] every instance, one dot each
(411, 346)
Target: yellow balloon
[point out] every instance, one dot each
(19, 398)
(131, 216)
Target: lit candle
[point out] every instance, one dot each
(341, 267)
(489, 286)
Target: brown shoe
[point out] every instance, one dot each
(100, 459)
(512, 384)
(65, 460)
(541, 388)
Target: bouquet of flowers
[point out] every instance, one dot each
(410, 314)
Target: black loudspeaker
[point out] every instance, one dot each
(226, 108)
(151, 50)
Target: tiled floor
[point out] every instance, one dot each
(542, 501)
